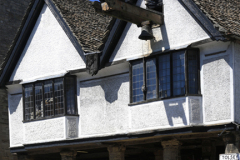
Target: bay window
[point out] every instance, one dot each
(50, 98)
(163, 76)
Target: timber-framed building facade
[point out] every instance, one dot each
(114, 79)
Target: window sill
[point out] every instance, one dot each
(160, 99)
(47, 118)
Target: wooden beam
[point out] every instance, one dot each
(128, 12)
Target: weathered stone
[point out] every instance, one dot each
(116, 152)
(232, 142)
(171, 150)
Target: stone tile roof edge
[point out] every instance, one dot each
(219, 27)
(212, 19)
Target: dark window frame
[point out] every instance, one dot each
(156, 55)
(43, 99)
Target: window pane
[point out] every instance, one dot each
(58, 96)
(193, 72)
(178, 61)
(151, 78)
(137, 81)
(28, 102)
(70, 95)
(164, 76)
(38, 100)
(48, 97)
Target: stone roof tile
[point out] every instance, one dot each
(90, 29)
(225, 14)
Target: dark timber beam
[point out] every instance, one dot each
(128, 12)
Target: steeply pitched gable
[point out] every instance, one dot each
(48, 51)
(87, 30)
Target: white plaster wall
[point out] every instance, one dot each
(44, 130)
(179, 29)
(48, 50)
(104, 109)
(104, 105)
(160, 114)
(31, 132)
(16, 127)
(236, 50)
(216, 82)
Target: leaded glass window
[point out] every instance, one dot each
(164, 76)
(38, 100)
(70, 95)
(151, 79)
(178, 69)
(193, 80)
(58, 96)
(29, 102)
(50, 98)
(137, 76)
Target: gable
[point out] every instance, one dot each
(48, 51)
(179, 30)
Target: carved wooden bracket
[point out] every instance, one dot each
(92, 63)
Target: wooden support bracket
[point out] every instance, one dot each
(128, 12)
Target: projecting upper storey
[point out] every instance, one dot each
(181, 78)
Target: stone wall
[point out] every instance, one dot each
(4, 131)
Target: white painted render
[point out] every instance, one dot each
(16, 126)
(216, 82)
(54, 129)
(103, 99)
(179, 30)
(109, 113)
(45, 130)
(48, 51)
